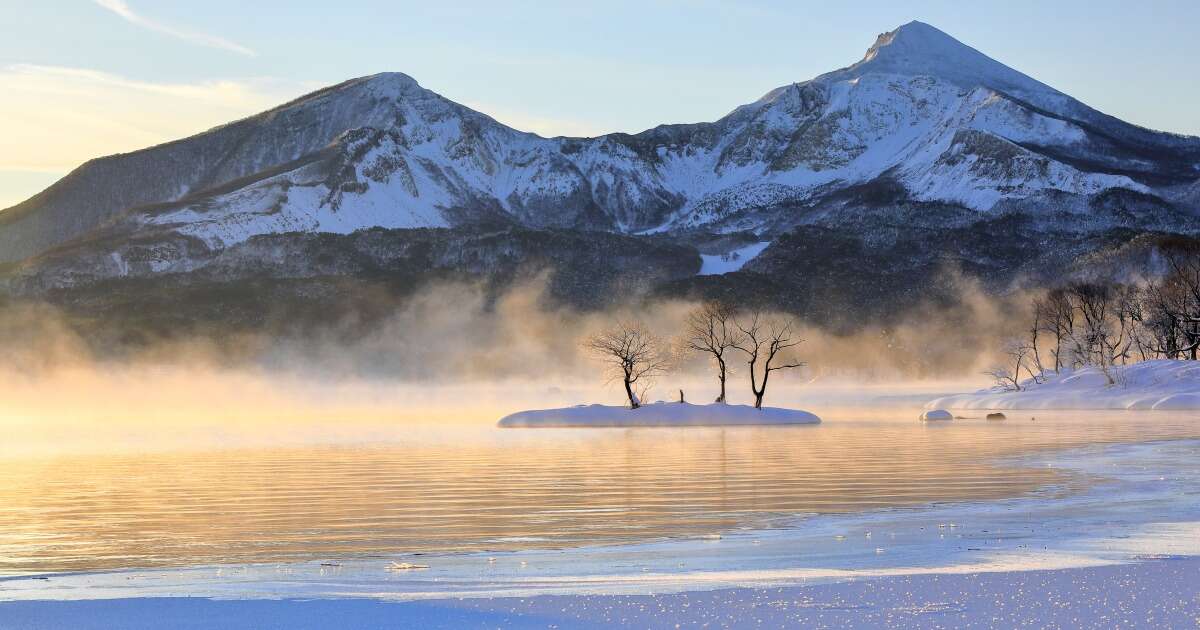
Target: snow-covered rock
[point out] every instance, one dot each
(1162, 385)
(660, 414)
(936, 414)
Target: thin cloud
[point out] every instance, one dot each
(122, 9)
(90, 113)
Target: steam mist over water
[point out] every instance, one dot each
(353, 441)
(464, 332)
(450, 354)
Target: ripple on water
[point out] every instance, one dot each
(487, 489)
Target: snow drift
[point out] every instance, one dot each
(1162, 384)
(658, 415)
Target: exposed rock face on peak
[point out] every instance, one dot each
(923, 125)
(917, 49)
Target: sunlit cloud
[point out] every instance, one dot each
(122, 9)
(54, 118)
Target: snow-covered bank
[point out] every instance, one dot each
(658, 415)
(1156, 385)
(1154, 593)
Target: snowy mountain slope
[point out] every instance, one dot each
(929, 115)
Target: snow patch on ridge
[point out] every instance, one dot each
(717, 264)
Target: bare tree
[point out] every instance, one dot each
(1104, 324)
(1182, 288)
(1103, 334)
(1056, 315)
(1133, 309)
(1008, 375)
(1161, 320)
(711, 330)
(1034, 329)
(765, 340)
(633, 354)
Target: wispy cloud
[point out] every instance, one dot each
(53, 118)
(121, 8)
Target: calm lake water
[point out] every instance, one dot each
(476, 488)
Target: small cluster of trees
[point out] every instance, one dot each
(636, 356)
(1109, 324)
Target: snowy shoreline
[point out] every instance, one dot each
(1157, 591)
(659, 414)
(1158, 385)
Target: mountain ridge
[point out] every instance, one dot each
(922, 124)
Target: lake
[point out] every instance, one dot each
(428, 488)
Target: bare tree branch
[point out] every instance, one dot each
(763, 340)
(710, 329)
(633, 354)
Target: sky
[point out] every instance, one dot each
(85, 78)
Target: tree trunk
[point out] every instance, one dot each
(762, 391)
(721, 379)
(754, 382)
(634, 403)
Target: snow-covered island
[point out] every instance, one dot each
(662, 414)
(1161, 384)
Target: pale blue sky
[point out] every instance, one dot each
(88, 77)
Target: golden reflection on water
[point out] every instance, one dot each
(480, 488)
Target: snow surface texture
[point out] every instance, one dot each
(661, 414)
(715, 265)
(1156, 593)
(1156, 385)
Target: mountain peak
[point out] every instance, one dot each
(917, 39)
(917, 48)
(391, 78)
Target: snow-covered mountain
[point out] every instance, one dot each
(921, 119)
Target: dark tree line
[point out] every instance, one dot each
(1108, 324)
